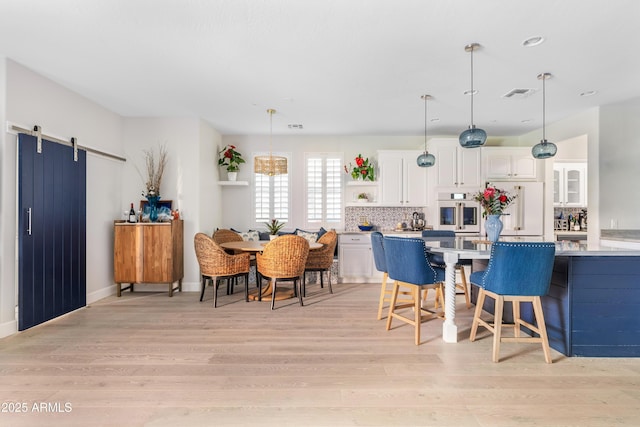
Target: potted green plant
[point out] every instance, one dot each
(232, 159)
(363, 197)
(274, 226)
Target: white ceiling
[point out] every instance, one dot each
(335, 66)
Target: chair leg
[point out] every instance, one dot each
(476, 315)
(204, 285)
(497, 327)
(464, 285)
(304, 283)
(383, 292)
(537, 309)
(392, 304)
(216, 283)
(246, 287)
(259, 278)
(273, 292)
(417, 313)
(516, 318)
(329, 276)
(295, 284)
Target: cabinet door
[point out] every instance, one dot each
(127, 254)
(415, 182)
(468, 168)
(157, 254)
(355, 261)
(446, 167)
(498, 165)
(524, 166)
(391, 178)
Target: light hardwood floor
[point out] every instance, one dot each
(149, 360)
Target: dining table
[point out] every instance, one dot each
(254, 246)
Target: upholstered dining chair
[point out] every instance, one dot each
(216, 264)
(283, 259)
(517, 272)
(438, 260)
(381, 265)
(409, 266)
(321, 260)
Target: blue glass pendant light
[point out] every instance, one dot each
(472, 137)
(544, 149)
(425, 160)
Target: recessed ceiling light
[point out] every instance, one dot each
(469, 92)
(533, 41)
(589, 93)
(526, 120)
(435, 119)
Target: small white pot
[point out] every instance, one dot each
(232, 176)
(272, 236)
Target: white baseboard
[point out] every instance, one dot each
(8, 328)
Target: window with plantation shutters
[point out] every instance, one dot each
(271, 198)
(323, 189)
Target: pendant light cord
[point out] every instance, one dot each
(544, 104)
(472, 49)
(425, 123)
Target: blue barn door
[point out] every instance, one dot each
(52, 235)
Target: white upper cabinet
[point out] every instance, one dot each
(570, 184)
(509, 163)
(402, 181)
(455, 166)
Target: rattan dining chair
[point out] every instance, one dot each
(517, 272)
(223, 235)
(216, 264)
(283, 259)
(321, 260)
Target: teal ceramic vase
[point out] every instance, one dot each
(153, 208)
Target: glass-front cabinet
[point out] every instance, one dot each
(570, 184)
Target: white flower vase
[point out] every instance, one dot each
(272, 236)
(232, 176)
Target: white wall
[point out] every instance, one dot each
(189, 180)
(579, 125)
(619, 154)
(32, 99)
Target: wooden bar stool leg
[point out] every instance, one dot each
(383, 293)
(537, 310)
(497, 327)
(477, 314)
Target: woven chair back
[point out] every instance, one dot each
(214, 261)
(284, 257)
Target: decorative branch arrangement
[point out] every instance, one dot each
(155, 169)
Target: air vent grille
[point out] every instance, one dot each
(295, 126)
(519, 93)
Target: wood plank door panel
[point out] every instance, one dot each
(52, 231)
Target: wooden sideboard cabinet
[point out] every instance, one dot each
(148, 253)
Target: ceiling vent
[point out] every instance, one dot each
(519, 93)
(295, 126)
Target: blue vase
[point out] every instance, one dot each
(153, 208)
(493, 227)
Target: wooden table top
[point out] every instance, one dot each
(257, 246)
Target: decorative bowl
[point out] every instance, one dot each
(365, 227)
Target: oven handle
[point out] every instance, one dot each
(460, 219)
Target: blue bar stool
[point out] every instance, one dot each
(517, 272)
(381, 265)
(409, 266)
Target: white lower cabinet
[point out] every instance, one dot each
(356, 264)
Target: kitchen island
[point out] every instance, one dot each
(592, 308)
(592, 305)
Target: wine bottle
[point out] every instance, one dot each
(132, 214)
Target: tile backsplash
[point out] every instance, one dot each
(382, 218)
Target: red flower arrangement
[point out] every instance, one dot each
(230, 158)
(493, 200)
(362, 170)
